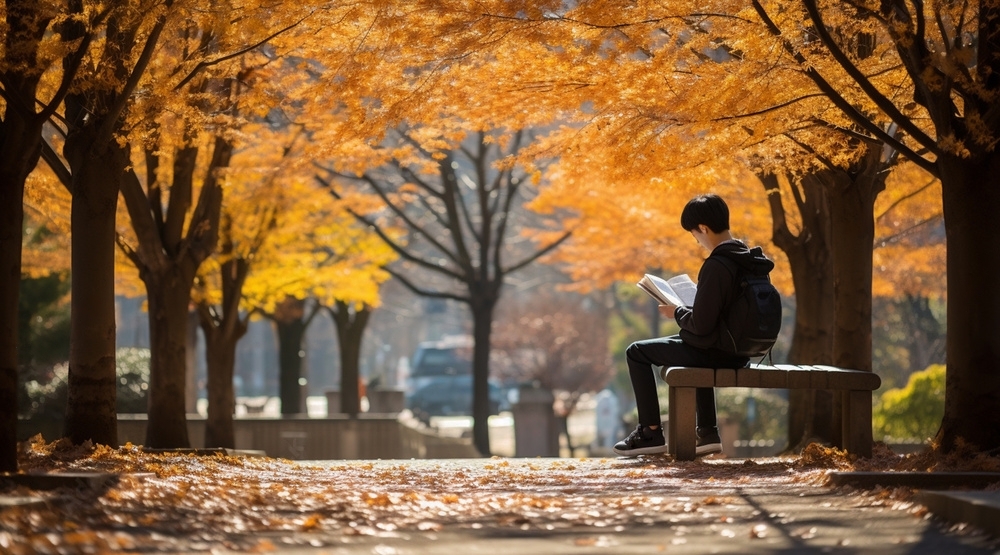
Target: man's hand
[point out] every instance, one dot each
(667, 310)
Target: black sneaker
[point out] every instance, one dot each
(709, 442)
(642, 441)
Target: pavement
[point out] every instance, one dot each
(850, 513)
(655, 505)
(557, 506)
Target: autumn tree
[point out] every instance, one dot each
(461, 205)
(949, 55)
(223, 322)
(662, 75)
(32, 51)
(211, 80)
(92, 165)
(321, 259)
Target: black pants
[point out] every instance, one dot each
(672, 351)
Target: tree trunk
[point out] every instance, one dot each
(350, 326)
(191, 363)
(90, 413)
(926, 342)
(852, 211)
(220, 353)
(290, 339)
(809, 257)
(168, 296)
(168, 259)
(972, 386)
(223, 328)
(482, 328)
(20, 147)
(19, 153)
(852, 197)
(810, 410)
(11, 222)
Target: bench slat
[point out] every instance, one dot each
(747, 377)
(725, 377)
(854, 380)
(774, 378)
(799, 378)
(689, 377)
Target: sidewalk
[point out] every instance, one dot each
(656, 506)
(494, 506)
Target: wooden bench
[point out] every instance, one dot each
(855, 385)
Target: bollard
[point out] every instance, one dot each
(536, 433)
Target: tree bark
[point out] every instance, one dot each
(20, 141)
(168, 259)
(291, 330)
(482, 309)
(20, 148)
(90, 413)
(810, 260)
(223, 326)
(852, 195)
(350, 324)
(220, 353)
(168, 297)
(972, 385)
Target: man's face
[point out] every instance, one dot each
(701, 235)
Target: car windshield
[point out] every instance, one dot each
(440, 362)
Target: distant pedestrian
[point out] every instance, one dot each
(608, 419)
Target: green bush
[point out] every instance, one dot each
(45, 398)
(913, 412)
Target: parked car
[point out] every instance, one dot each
(451, 356)
(449, 395)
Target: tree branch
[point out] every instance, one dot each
(55, 163)
(207, 64)
(869, 89)
(425, 292)
(839, 101)
(540, 253)
(392, 243)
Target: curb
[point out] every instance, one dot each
(978, 508)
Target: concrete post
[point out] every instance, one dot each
(536, 433)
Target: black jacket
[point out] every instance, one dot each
(717, 286)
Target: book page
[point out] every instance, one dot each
(677, 291)
(684, 288)
(646, 284)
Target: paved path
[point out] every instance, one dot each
(191, 504)
(627, 506)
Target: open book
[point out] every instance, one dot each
(677, 291)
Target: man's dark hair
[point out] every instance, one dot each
(708, 209)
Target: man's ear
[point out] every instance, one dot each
(703, 229)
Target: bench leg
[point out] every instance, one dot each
(680, 424)
(856, 422)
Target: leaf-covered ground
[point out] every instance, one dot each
(190, 503)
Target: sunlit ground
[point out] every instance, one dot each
(188, 503)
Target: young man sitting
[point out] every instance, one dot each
(699, 342)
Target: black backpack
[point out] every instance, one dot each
(750, 323)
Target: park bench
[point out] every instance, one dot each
(856, 387)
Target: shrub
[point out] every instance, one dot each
(913, 412)
(45, 398)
